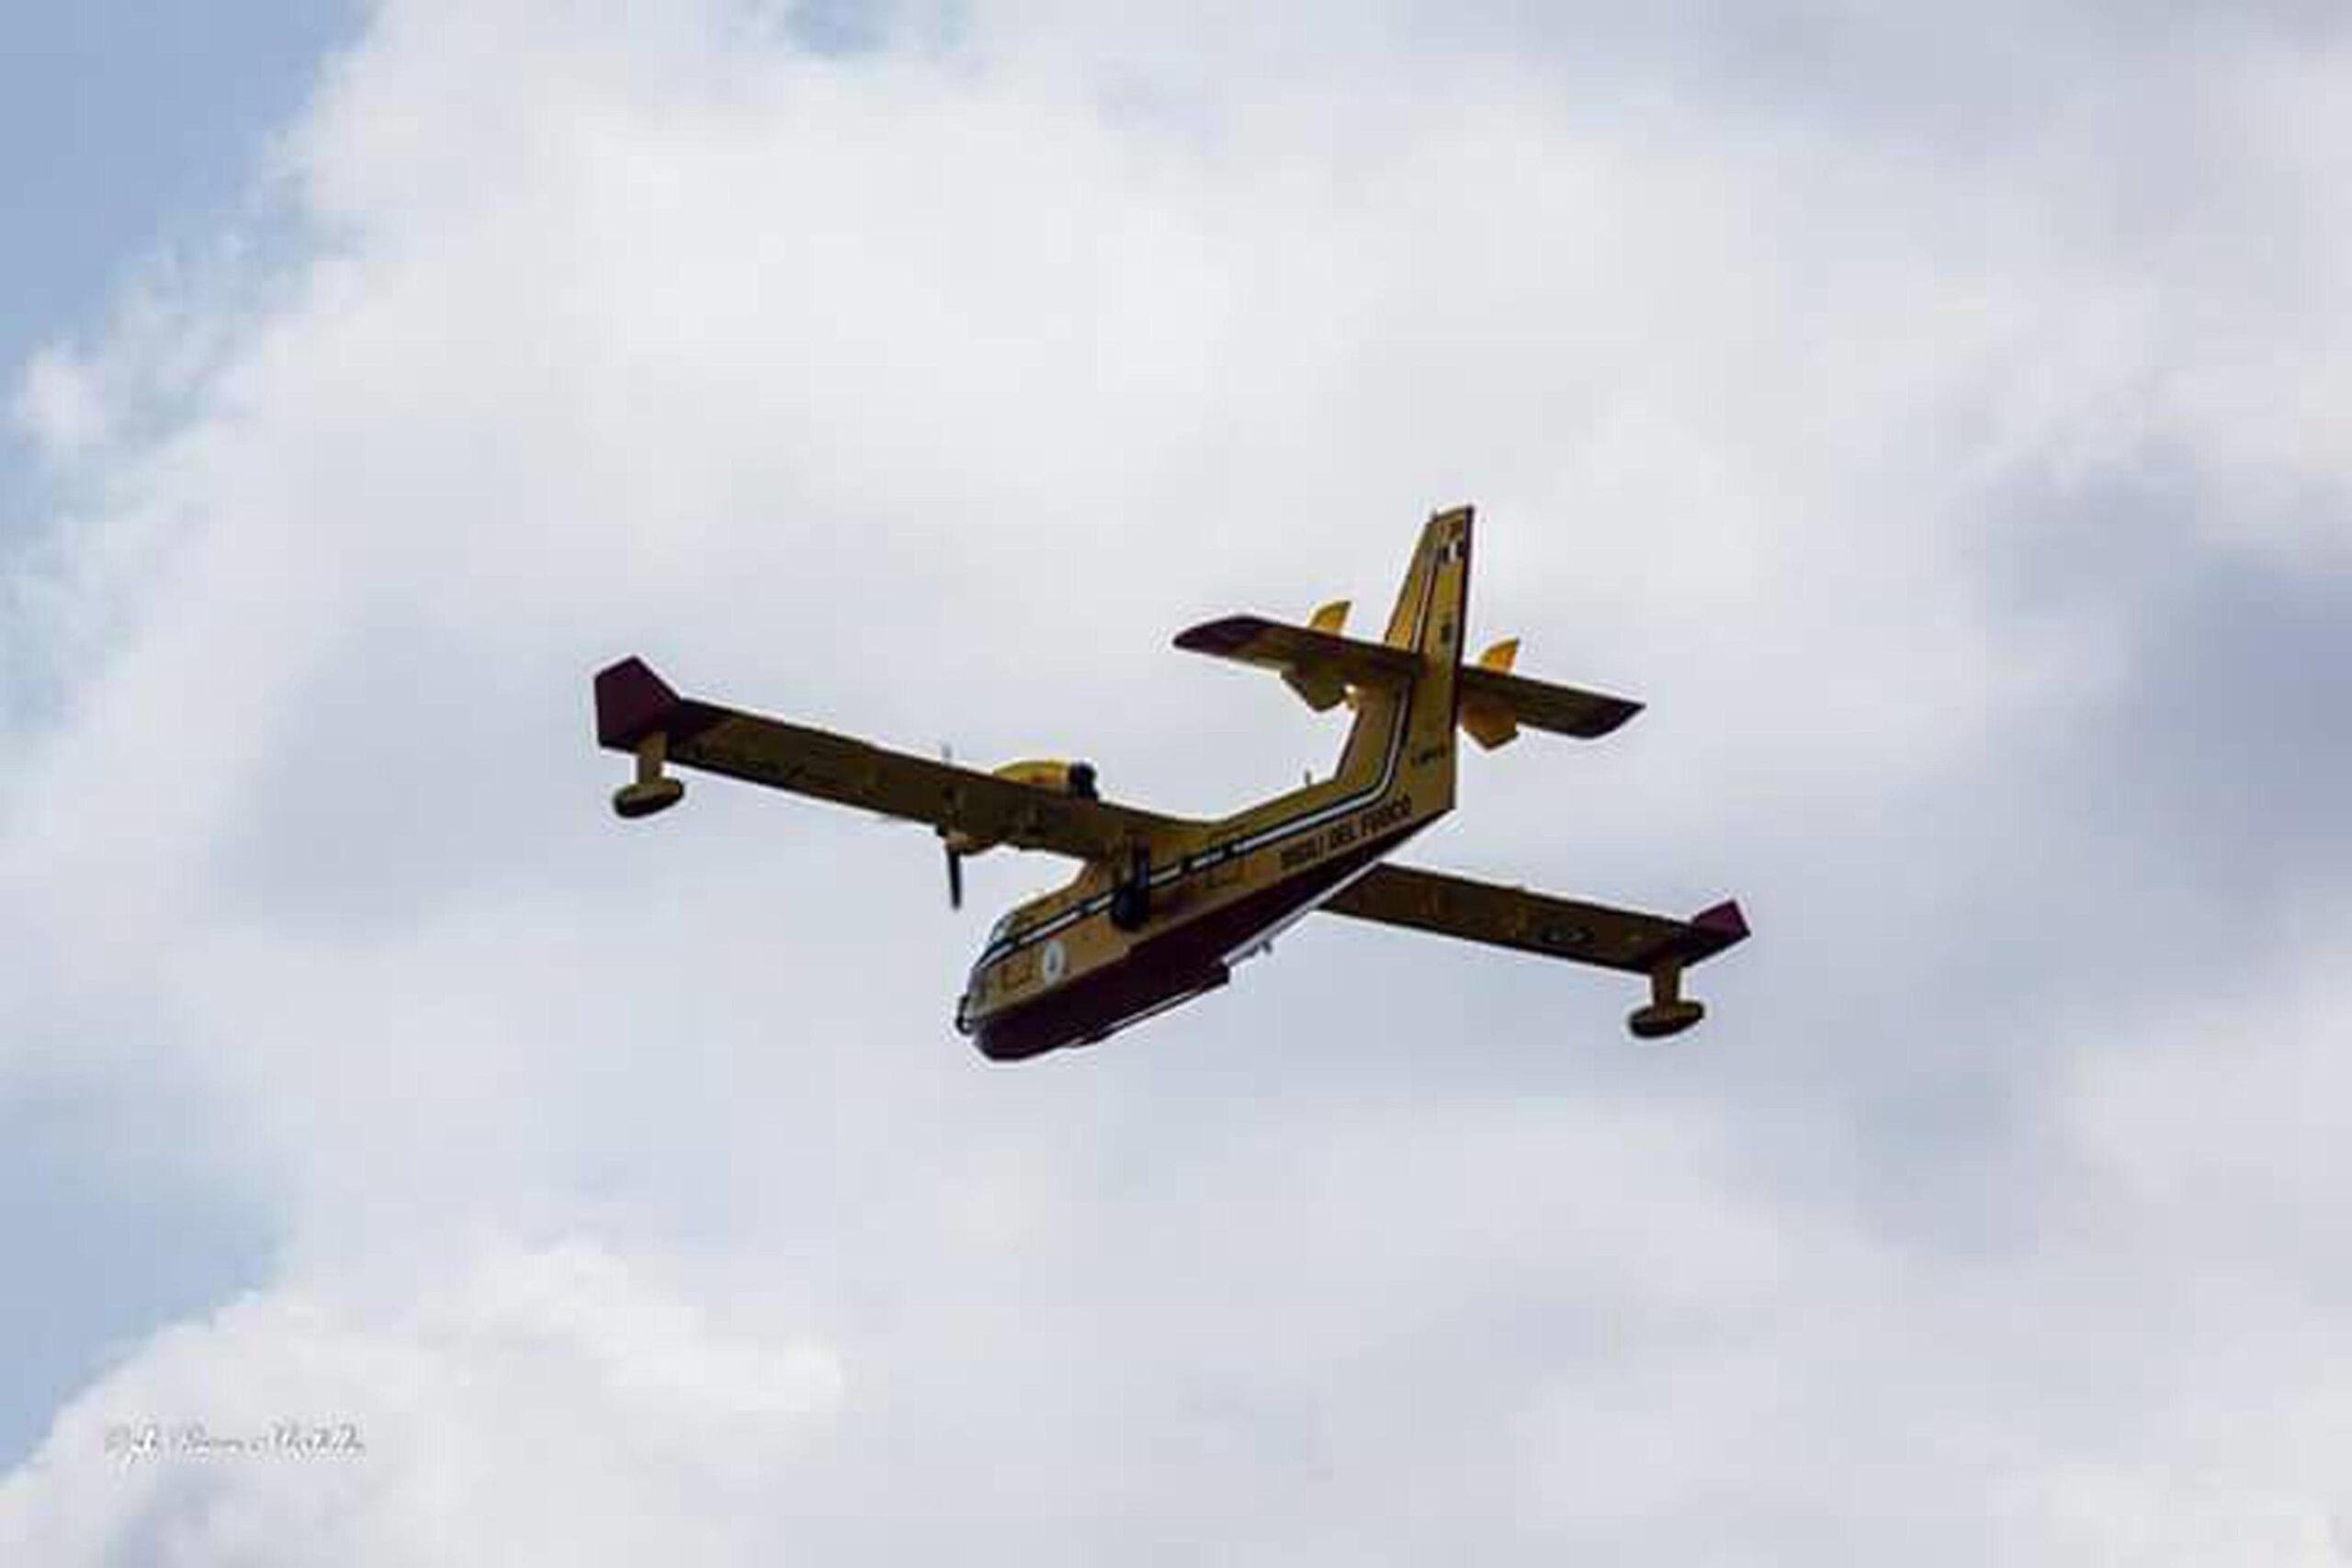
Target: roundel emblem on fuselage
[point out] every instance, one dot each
(1055, 962)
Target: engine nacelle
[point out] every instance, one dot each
(1073, 779)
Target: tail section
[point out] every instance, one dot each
(1404, 733)
(1425, 632)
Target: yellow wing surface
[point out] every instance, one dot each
(636, 709)
(1535, 922)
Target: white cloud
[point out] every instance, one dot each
(539, 1402)
(922, 395)
(57, 402)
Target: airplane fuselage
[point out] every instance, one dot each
(1088, 959)
(1060, 970)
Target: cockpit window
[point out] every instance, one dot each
(997, 933)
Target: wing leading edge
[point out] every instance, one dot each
(1625, 939)
(1536, 922)
(636, 709)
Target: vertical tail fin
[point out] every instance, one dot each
(1406, 737)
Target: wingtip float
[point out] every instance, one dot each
(1163, 906)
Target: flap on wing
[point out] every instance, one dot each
(1501, 701)
(1321, 662)
(632, 703)
(1536, 922)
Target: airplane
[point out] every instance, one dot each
(1163, 906)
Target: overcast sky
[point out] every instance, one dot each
(1942, 416)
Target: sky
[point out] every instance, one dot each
(121, 166)
(1939, 415)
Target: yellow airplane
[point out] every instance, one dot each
(1163, 906)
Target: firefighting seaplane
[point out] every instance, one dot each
(1162, 906)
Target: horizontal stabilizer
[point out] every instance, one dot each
(1319, 665)
(1495, 704)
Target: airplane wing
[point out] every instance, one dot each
(1495, 704)
(1535, 922)
(633, 702)
(1319, 665)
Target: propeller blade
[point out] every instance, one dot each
(954, 880)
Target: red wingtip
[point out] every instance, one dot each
(631, 701)
(1723, 920)
(1612, 719)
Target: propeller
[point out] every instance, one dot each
(955, 858)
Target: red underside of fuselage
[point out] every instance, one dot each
(1161, 971)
